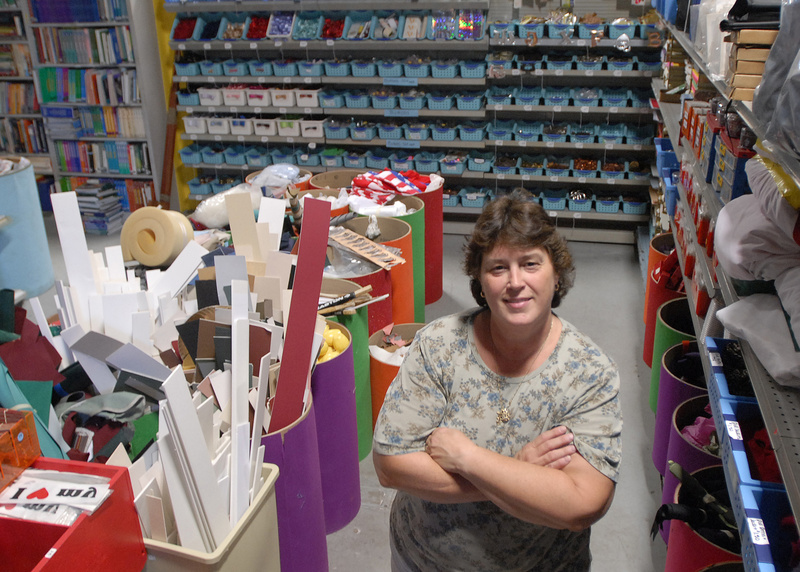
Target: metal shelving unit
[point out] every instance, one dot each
(779, 405)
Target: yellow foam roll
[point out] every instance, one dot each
(155, 237)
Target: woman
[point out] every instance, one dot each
(501, 431)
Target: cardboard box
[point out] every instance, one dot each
(745, 80)
(749, 54)
(746, 67)
(753, 36)
(742, 93)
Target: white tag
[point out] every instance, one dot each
(715, 359)
(734, 431)
(206, 46)
(576, 215)
(528, 107)
(758, 532)
(227, 45)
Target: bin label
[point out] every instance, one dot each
(758, 532)
(734, 431)
(715, 359)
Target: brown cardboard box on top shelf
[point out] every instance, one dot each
(746, 67)
(749, 54)
(752, 37)
(741, 93)
(745, 80)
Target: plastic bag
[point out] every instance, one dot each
(212, 213)
(760, 320)
(780, 81)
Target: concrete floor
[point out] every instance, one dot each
(606, 303)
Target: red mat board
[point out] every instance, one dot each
(299, 337)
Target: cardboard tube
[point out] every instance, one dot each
(672, 390)
(333, 387)
(155, 237)
(417, 222)
(382, 374)
(356, 324)
(396, 233)
(660, 247)
(687, 551)
(298, 494)
(682, 451)
(434, 248)
(25, 262)
(674, 325)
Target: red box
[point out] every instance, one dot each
(108, 539)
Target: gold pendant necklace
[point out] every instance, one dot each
(503, 414)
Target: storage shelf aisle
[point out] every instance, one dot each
(779, 405)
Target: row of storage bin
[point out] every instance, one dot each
(447, 163)
(516, 29)
(566, 61)
(413, 99)
(245, 96)
(528, 131)
(759, 503)
(266, 127)
(554, 200)
(567, 96)
(441, 69)
(310, 25)
(333, 130)
(334, 68)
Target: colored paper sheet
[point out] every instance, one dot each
(288, 404)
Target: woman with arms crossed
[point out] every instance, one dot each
(501, 431)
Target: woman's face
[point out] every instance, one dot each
(518, 283)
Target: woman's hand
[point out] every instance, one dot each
(553, 449)
(448, 447)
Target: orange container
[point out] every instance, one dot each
(382, 374)
(660, 247)
(395, 233)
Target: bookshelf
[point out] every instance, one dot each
(21, 128)
(93, 62)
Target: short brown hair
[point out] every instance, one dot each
(517, 221)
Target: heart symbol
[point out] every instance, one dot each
(40, 494)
